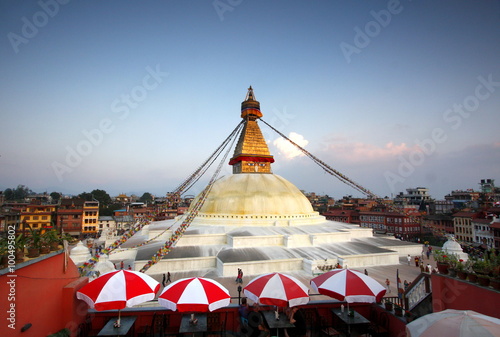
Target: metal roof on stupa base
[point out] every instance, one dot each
(279, 248)
(388, 241)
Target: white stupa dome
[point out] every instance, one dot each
(453, 247)
(262, 199)
(104, 266)
(255, 194)
(80, 254)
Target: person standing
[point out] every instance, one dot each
(409, 259)
(298, 319)
(244, 310)
(163, 280)
(388, 285)
(121, 265)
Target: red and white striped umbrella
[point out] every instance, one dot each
(456, 323)
(348, 285)
(194, 294)
(277, 289)
(118, 289)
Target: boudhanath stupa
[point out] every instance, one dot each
(258, 221)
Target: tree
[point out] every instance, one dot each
(146, 198)
(19, 193)
(99, 195)
(56, 196)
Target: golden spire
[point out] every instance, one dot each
(251, 154)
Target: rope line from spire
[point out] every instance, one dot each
(342, 177)
(193, 212)
(193, 178)
(146, 220)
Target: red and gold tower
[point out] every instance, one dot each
(251, 154)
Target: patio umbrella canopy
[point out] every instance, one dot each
(454, 323)
(348, 285)
(277, 289)
(119, 289)
(195, 294)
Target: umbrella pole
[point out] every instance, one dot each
(118, 321)
(348, 325)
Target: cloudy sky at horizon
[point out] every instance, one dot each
(132, 97)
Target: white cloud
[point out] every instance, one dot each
(361, 152)
(287, 149)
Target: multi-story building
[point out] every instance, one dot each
(123, 199)
(413, 196)
(439, 224)
(495, 228)
(391, 223)
(9, 218)
(462, 198)
(462, 224)
(70, 215)
(348, 216)
(482, 233)
(123, 222)
(441, 207)
(38, 216)
(107, 226)
(90, 217)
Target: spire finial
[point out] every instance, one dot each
(250, 95)
(250, 106)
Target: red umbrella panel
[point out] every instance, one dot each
(348, 285)
(119, 289)
(195, 294)
(277, 289)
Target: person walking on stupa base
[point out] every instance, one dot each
(388, 285)
(409, 259)
(163, 280)
(168, 277)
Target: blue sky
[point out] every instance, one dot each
(133, 96)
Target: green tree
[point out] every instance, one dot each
(19, 193)
(146, 198)
(99, 195)
(56, 196)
